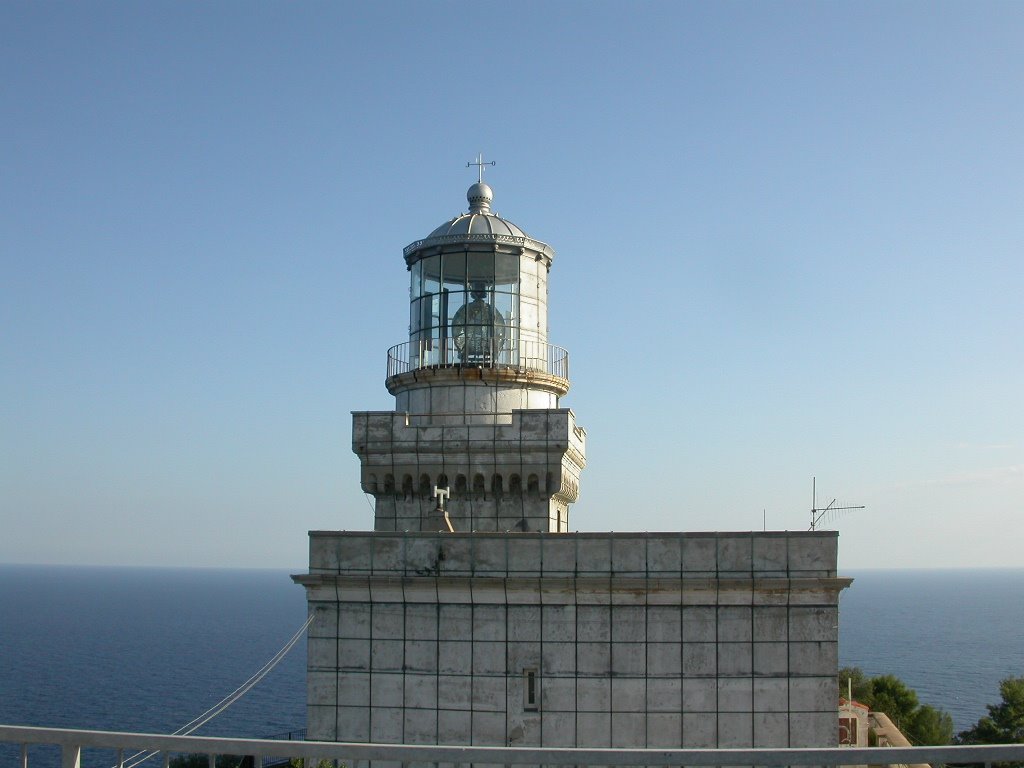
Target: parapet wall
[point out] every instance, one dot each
(768, 555)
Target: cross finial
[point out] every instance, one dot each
(441, 494)
(480, 166)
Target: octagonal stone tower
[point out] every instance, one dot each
(477, 389)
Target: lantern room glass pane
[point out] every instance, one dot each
(506, 271)
(481, 269)
(431, 311)
(415, 280)
(454, 271)
(479, 330)
(465, 309)
(431, 267)
(504, 304)
(456, 300)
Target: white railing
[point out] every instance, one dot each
(478, 353)
(73, 742)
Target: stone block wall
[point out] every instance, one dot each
(624, 640)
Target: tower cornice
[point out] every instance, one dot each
(441, 243)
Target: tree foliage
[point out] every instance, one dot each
(861, 683)
(891, 695)
(921, 724)
(931, 726)
(1004, 723)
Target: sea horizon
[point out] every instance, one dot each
(147, 648)
(304, 567)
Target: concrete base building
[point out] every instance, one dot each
(471, 616)
(585, 639)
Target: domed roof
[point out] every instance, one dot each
(479, 220)
(479, 223)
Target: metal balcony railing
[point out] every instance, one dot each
(478, 352)
(262, 752)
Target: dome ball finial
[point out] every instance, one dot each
(479, 197)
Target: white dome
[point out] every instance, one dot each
(479, 223)
(479, 220)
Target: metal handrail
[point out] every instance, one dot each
(72, 742)
(455, 351)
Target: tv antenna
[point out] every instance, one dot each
(830, 511)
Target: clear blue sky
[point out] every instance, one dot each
(789, 243)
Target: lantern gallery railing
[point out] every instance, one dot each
(478, 351)
(122, 749)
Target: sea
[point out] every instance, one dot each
(149, 649)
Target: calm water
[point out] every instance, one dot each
(149, 649)
(950, 635)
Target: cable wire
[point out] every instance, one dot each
(193, 725)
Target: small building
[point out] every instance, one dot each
(471, 615)
(853, 723)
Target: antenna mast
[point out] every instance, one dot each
(818, 513)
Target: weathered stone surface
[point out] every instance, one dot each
(659, 640)
(518, 476)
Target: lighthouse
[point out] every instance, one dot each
(478, 440)
(472, 615)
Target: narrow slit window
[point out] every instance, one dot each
(531, 690)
